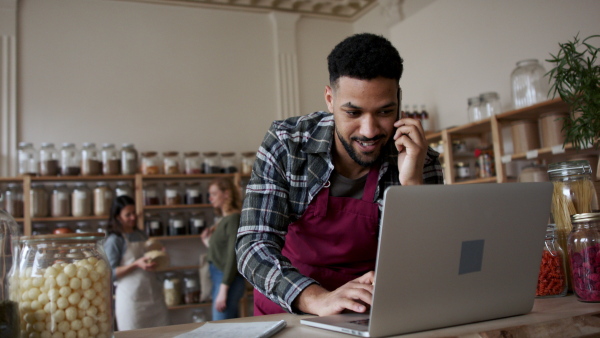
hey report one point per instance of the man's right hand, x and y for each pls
(354, 296)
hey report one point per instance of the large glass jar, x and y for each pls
(28, 159)
(129, 160)
(38, 203)
(154, 225)
(228, 163)
(13, 200)
(196, 223)
(529, 84)
(123, 189)
(584, 253)
(211, 163)
(64, 284)
(490, 104)
(552, 279)
(193, 193)
(81, 200)
(111, 160)
(172, 289)
(192, 163)
(9, 296)
(248, 159)
(70, 160)
(103, 197)
(150, 193)
(49, 159)
(150, 163)
(90, 160)
(171, 163)
(173, 194)
(60, 204)
(191, 287)
(176, 224)
(474, 109)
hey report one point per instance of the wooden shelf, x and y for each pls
(69, 219)
(533, 112)
(177, 206)
(159, 177)
(83, 178)
(170, 238)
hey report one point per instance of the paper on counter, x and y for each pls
(226, 330)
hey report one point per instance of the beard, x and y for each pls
(354, 155)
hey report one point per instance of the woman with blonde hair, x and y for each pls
(227, 284)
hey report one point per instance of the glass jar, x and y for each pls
(196, 223)
(574, 193)
(154, 225)
(81, 200)
(49, 159)
(459, 146)
(40, 229)
(129, 161)
(84, 227)
(463, 171)
(70, 160)
(191, 287)
(111, 160)
(90, 160)
(28, 159)
(485, 162)
(490, 104)
(38, 204)
(150, 163)
(192, 163)
(171, 163)
(123, 189)
(9, 295)
(60, 205)
(228, 163)
(584, 249)
(172, 289)
(13, 200)
(150, 193)
(474, 109)
(211, 163)
(193, 193)
(529, 84)
(172, 194)
(199, 316)
(176, 224)
(51, 267)
(103, 227)
(103, 197)
(248, 159)
(552, 279)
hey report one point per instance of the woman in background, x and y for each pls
(227, 284)
(139, 300)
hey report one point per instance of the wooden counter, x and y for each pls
(551, 317)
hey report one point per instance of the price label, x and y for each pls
(531, 154)
(507, 158)
(558, 149)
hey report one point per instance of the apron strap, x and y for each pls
(371, 184)
(321, 201)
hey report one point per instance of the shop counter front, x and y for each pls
(550, 317)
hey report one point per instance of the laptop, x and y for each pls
(451, 255)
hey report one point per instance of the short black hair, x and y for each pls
(364, 56)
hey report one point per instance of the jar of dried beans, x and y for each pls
(129, 160)
(192, 163)
(90, 160)
(584, 254)
(552, 279)
(70, 160)
(49, 159)
(111, 160)
(60, 204)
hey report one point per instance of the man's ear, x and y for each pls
(329, 98)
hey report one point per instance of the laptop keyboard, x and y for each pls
(364, 322)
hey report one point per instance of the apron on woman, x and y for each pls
(139, 300)
(334, 242)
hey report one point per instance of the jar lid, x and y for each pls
(474, 100)
(47, 144)
(92, 236)
(149, 153)
(228, 154)
(89, 145)
(569, 168)
(127, 145)
(68, 145)
(249, 153)
(191, 154)
(489, 95)
(210, 153)
(25, 144)
(171, 153)
(586, 217)
(108, 145)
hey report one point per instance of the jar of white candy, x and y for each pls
(63, 286)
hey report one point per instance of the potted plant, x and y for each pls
(576, 76)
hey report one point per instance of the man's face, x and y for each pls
(364, 113)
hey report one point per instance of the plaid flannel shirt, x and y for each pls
(292, 165)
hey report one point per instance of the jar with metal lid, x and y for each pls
(103, 197)
(193, 193)
(228, 163)
(584, 253)
(123, 189)
(192, 163)
(171, 163)
(211, 163)
(529, 84)
(129, 161)
(191, 287)
(173, 194)
(38, 206)
(196, 223)
(154, 225)
(176, 224)
(552, 279)
(490, 104)
(150, 163)
(248, 159)
(463, 171)
(13, 200)
(151, 195)
(70, 160)
(71, 276)
(10, 299)
(111, 160)
(574, 193)
(49, 160)
(90, 160)
(28, 159)
(84, 227)
(81, 200)
(172, 289)
(41, 229)
(60, 204)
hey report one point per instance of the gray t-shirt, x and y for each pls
(344, 187)
(115, 247)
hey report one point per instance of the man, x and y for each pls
(308, 234)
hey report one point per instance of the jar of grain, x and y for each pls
(248, 159)
(111, 160)
(172, 289)
(171, 163)
(38, 206)
(150, 163)
(60, 205)
(551, 125)
(129, 159)
(13, 200)
(70, 160)
(103, 197)
(81, 200)
(173, 194)
(123, 189)
(192, 163)
(151, 195)
(90, 160)
(49, 159)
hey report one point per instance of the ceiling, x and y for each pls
(333, 9)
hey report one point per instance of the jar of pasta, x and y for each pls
(584, 253)
(552, 279)
(64, 286)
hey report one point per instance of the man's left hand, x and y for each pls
(412, 148)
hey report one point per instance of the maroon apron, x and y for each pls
(334, 242)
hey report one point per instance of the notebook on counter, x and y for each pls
(451, 255)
